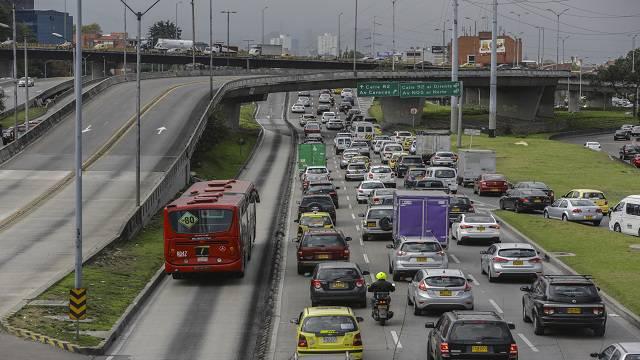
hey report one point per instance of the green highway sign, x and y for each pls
(430, 89)
(378, 89)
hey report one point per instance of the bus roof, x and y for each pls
(214, 193)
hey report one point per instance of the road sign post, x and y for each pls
(471, 133)
(414, 111)
(78, 307)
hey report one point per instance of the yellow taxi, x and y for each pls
(377, 130)
(328, 330)
(395, 157)
(596, 196)
(337, 91)
(360, 158)
(313, 220)
(406, 143)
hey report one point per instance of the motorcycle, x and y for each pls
(381, 307)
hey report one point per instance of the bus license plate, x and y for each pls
(574, 311)
(518, 262)
(479, 348)
(330, 339)
(445, 292)
(322, 256)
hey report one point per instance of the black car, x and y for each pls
(628, 151)
(311, 203)
(471, 335)
(564, 301)
(322, 108)
(432, 185)
(413, 175)
(536, 185)
(351, 113)
(621, 135)
(345, 106)
(407, 162)
(459, 205)
(338, 282)
(304, 93)
(524, 200)
(323, 188)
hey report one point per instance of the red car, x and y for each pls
(320, 245)
(490, 183)
(636, 161)
(312, 128)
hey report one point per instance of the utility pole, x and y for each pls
(126, 42)
(228, 19)
(538, 56)
(15, 76)
(633, 71)
(339, 46)
(138, 15)
(193, 32)
(179, 2)
(355, 39)
(210, 49)
(563, 39)
(557, 14)
(373, 36)
(454, 67)
(263, 9)
(493, 83)
(393, 58)
(78, 147)
(542, 49)
(26, 88)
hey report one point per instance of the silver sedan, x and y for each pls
(510, 259)
(440, 289)
(581, 210)
(410, 254)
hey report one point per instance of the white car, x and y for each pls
(382, 173)
(445, 174)
(29, 82)
(335, 124)
(626, 127)
(388, 150)
(298, 109)
(399, 136)
(365, 188)
(324, 99)
(378, 145)
(345, 134)
(443, 158)
(635, 131)
(475, 228)
(593, 145)
(326, 116)
(346, 92)
(304, 101)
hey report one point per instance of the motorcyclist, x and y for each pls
(381, 284)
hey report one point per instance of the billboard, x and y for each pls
(437, 49)
(485, 46)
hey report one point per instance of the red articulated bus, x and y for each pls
(210, 228)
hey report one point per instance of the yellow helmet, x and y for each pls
(381, 276)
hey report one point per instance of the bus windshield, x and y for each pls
(201, 221)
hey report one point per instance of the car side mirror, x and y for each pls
(525, 288)
(472, 202)
(595, 355)
(298, 202)
(359, 319)
(429, 325)
(389, 246)
(337, 187)
(470, 280)
(294, 321)
(348, 238)
(365, 272)
(361, 215)
(296, 221)
(511, 325)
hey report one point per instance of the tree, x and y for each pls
(1, 101)
(619, 77)
(164, 30)
(92, 28)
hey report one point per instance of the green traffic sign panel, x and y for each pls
(430, 89)
(378, 89)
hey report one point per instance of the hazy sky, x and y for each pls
(598, 29)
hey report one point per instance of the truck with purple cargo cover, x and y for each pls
(421, 213)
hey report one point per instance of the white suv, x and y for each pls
(326, 116)
(445, 174)
(388, 150)
(382, 173)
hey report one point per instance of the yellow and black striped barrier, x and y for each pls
(78, 304)
(27, 334)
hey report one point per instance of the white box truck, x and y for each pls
(265, 50)
(474, 162)
(428, 142)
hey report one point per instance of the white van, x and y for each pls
(363, 130)
(444, 174)
(625, 217)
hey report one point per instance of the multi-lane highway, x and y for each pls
(405, 336)
(609, 146)
(39, 86)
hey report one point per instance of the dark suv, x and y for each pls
(321, 245)
(311, 203)
(471, 335)
(459, 205)
(564, 300)
(324, 188)
(407, 162)
(628, 151)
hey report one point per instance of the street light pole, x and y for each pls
(355, 39)
(633, 71)
(557, 14)
(339, 46)
(393, 58)
(78, 146)
(15, 76)
(454, 67)
(179, 2)
(26, 87)
(139, 18)
(563, 39)
(193, 33)
(265, 8)
(493, 83)
(228, 19)
(210, 49)
(126, 42)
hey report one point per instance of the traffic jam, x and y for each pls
(394, 249)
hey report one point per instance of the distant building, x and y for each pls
(45, 22)
(284, 40)
(327, 45)
(476, 50)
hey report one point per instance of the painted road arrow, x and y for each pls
(161, 129)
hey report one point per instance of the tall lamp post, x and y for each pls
(339, 46)
(633, 71)
(493, 82)
(563, 40)
(77, 80)
(179, 2)
(138, 15)
(580, 80)
(210, 49)
(15, 73)
(193, 34)
(557, 14)
(263, 9)
(454, 68)
(228, 19)
(393, 31)
(26, 88)
(355, 39)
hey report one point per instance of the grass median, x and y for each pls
(8, 121)
(116, 275)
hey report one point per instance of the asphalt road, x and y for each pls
(38, 87)
(38, 246)
(405, 333)
(610, 146)
(214, 318)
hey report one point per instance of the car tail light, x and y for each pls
(576, 210)
(346, 252)
(483, 183)
(357, 340)
(513, 351)
(316, 284)
(606, 202)
(548, 310)
(467, 287)
(444, 349)
(422, 286)
(360, 282)
(300, 254)
(401, 253)
(471, 209)
(441, 253)
(494, 226)
(598, 311)
(598, 210)
(499, 259)
(370, 176)
(302, 341)
(535, 260)
(375, 199)
(551, 193)
(360, 191)
(465, 226)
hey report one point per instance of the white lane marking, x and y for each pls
(454, 258)
(353, 216)
(529, 343)
(613, 315)
(495, 305)
(366, 258)
(396, 341)
(361, 242)
(350, 206)
(475, 282)
(87, 129)
(357, 228)
(161, 129)
(347, 197)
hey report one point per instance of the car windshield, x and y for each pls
(380, 170)
(332, 274)
(417, 172)
(349, 155)
(381, 192)
(322, 240)
(567, 292)
(533, 192)
(445, 173)
(493, 178)
(582, 203)
(421, 247)
(445, 281)
(200, 221)
(430, 184)
(387, 201)
(517, 253)
(315, 221)
(321, 200)
(404, 133)
(460, 201)
(393, 147)
(372, 185)
(329, 324)
(320, 188)
(312, 127)
(357, 167)
(445, 154)
(329, 114)
(412, 160)
(479, 219)
(593, 195)
(480, 331)
(317, 171)
(375, 214)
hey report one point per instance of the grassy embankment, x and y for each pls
(599, 252)
(117, 275)
(9, 120)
